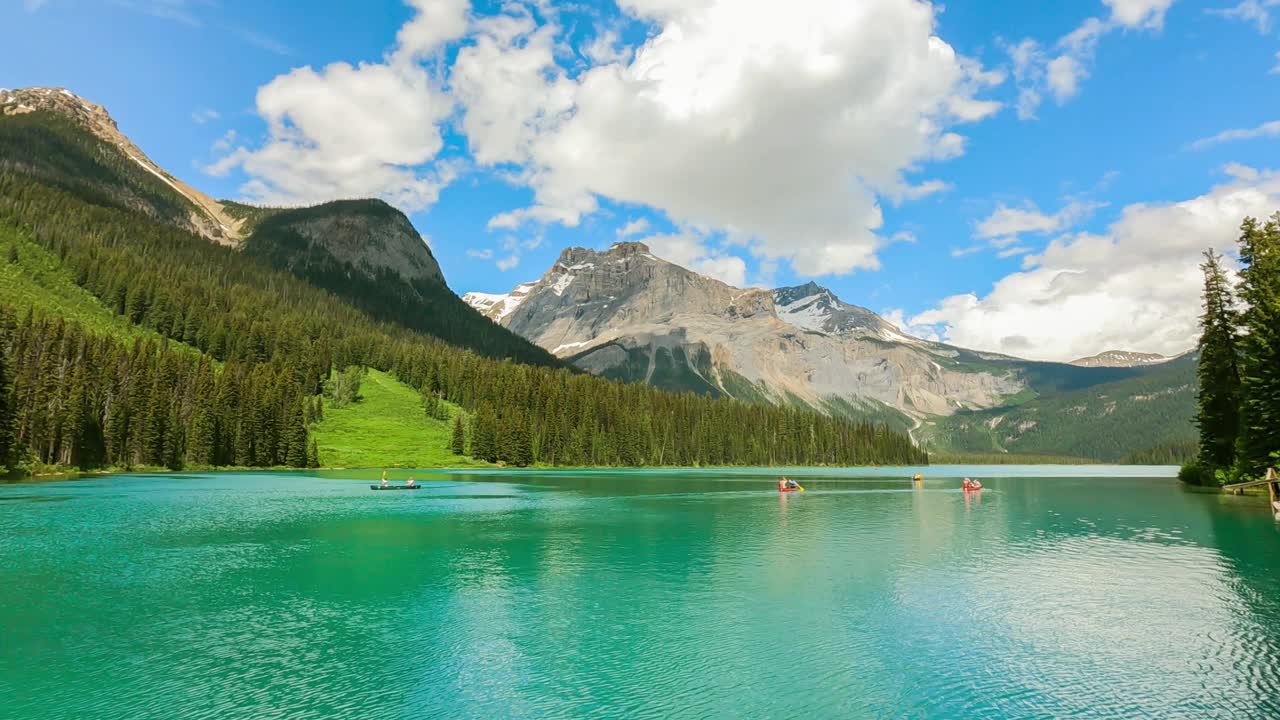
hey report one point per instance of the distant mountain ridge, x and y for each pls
(627, 314)
(1120, 358)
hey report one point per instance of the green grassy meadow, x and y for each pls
(385, 428)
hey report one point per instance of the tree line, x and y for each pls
(77, 399)
(1238, 407)
(249, 346)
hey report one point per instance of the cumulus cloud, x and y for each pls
(370, 129)
(1134, 287)
(1257, 12)
(1060, 70)
(484, 254)
(1267, 129)
(777, 125)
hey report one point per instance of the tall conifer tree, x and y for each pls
(1218, 408)
(1259, 443)
(458, 443)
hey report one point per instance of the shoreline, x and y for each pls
(1029, 470)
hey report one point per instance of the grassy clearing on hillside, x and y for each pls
(386, 428)
(39, 280)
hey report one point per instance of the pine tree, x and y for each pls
(297, 438)
(313, 455)
(458, 443)
(484, 434)
(1217, 412)
(6, 407)
(1259, 441)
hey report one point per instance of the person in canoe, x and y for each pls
(384, 478)
(410, 483)
(782, 484)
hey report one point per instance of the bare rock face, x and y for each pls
(366, 234)
(625, 313)
(207, 216)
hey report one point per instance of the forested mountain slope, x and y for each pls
(369, 254)
(232, 351)
(1107, 422)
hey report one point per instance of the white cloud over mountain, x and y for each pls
(776, 127)
(1133, 287)
(371, 129)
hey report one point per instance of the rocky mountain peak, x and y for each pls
(625, 249)
(208, 217)
(1120, 358)
(369, 236)
(91, 116)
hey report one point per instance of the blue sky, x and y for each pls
(894, 152)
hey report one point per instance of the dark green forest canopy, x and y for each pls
(265, 340)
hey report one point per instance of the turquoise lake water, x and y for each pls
(668, 594)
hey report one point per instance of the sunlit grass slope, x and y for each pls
(39, 280)
(385, 428)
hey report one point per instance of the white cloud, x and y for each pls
(508, 262)
(1063, 75)
(1275, 70)
(1036, 72)
(690, 251)
(485, 254)
(606, 48)
(633, 227)
(1013, 251)
(1267, 129)
(1240, 171)
(1134, 287)
(32, 5)
(357, 131)
(225, 143)
(966, 251)
(897, 317)
(436, 23)
(917, 192)
(204, 115)
(1257, 12)
(1004, 226)
(1139, 13)
(778, 125)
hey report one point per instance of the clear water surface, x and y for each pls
(668, 594)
